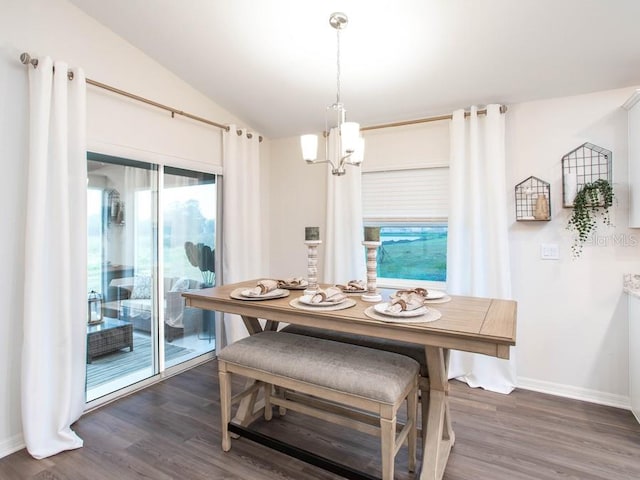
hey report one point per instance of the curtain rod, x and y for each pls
(503, 109)
(26, 59)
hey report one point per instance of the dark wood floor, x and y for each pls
(171, 431)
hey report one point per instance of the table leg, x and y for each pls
(438, 437)
(252, 324)
(251, 407)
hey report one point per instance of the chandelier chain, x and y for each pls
(338, 66)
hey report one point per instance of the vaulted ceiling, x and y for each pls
(273, 62)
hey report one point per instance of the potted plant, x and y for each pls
(591, 202)
(202, 256)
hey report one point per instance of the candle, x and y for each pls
(570, 188)
(371, 234)
(311, 233)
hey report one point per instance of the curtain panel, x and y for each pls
(478, 245)
(241, 246)
(344, 257)
(55, 290)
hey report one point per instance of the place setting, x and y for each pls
(293, 283)
(353, 286)
(264, 290)
(329, 299)
(429, 295)
(404, 306)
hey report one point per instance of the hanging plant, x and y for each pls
(592, 201)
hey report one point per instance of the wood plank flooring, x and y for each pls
(171, 431)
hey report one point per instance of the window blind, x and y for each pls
(417, 194)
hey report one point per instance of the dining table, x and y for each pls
(480, 325)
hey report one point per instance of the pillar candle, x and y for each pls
(371, 234)
(311, 233)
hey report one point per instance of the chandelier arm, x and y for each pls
(323, 161)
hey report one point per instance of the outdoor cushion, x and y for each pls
(141, 288)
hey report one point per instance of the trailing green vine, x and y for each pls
(592, 200)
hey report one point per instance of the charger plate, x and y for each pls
(277, 293)
(382, 307)
(431, 316)
(444, 299)
(348, 303)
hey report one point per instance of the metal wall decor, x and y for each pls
(532, 200)
(584, 164)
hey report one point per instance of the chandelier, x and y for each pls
(343, 141)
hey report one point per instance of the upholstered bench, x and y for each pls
(352, 376)
(412, 350)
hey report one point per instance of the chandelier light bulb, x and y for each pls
(309, 145)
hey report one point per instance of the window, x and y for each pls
(411, 207)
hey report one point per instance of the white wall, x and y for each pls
(115, 125)
(572, 314)
(297, 199)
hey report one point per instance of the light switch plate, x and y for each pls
(549, 251)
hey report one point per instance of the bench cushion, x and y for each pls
(412, 350)
(373, 374)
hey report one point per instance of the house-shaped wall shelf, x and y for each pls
(532, 200)
(584, 164)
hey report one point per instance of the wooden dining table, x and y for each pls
(481, 325)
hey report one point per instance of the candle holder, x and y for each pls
(312, 266)
(372, 294)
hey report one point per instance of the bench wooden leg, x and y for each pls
(225, 406)
(268, 412)
(387, 443)
(412, 416)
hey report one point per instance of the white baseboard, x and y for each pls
(576, 393)
(11, 445)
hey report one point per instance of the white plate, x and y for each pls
(435, 294)
(382, 309)
(348, 303)
(431, 316)
(306, 300)
(431, 295)
(277, 293)
(273, 293)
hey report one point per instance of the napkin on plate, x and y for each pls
(405, 301)
(262, 287)
(423, 292)
(330, 295)
(293, 282)
(352, 286)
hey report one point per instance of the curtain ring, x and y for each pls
(239, 132)
(70, 75)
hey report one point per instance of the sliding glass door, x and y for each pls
(189, 202)
(138, 274)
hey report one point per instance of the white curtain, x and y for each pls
(241, 241)
(478, 247)
(55, 264)
(344, 257)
